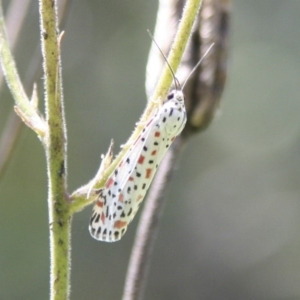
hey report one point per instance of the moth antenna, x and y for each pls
(197, 65)
(177, 84)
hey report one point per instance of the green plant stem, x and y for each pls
(79, 197)
(59, 217)
(183, 33)
(27, 112)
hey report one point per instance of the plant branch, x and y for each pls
(189, 15)
(14, 20)
(26, 111)
(11, 131)
(59, 217)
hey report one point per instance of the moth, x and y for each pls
(126, 187)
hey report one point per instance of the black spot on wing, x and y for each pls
(170, 96)
(97, 218)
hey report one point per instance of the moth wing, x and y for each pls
(130, 160)
(103, 221)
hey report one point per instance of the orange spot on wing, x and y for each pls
(157, 134)
(153, 152)
(121, 197)
(100, 203)
(120, 224)
(130, 178)
(173, 138)
(103, 217)
(140, 197)
(148, 173)
(141, 159)
(109, 183)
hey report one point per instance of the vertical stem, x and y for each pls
(56, 154)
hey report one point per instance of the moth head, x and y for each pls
(175, 96)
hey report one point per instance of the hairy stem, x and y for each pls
(189, 15)
(59, 218)
(26, 111)
(14, 20)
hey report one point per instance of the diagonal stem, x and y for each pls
(28, 112)
(191, 9)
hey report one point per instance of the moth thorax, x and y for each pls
(179, 96)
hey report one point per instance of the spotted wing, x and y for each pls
(109, 207)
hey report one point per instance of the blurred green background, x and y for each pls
(231, 226)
